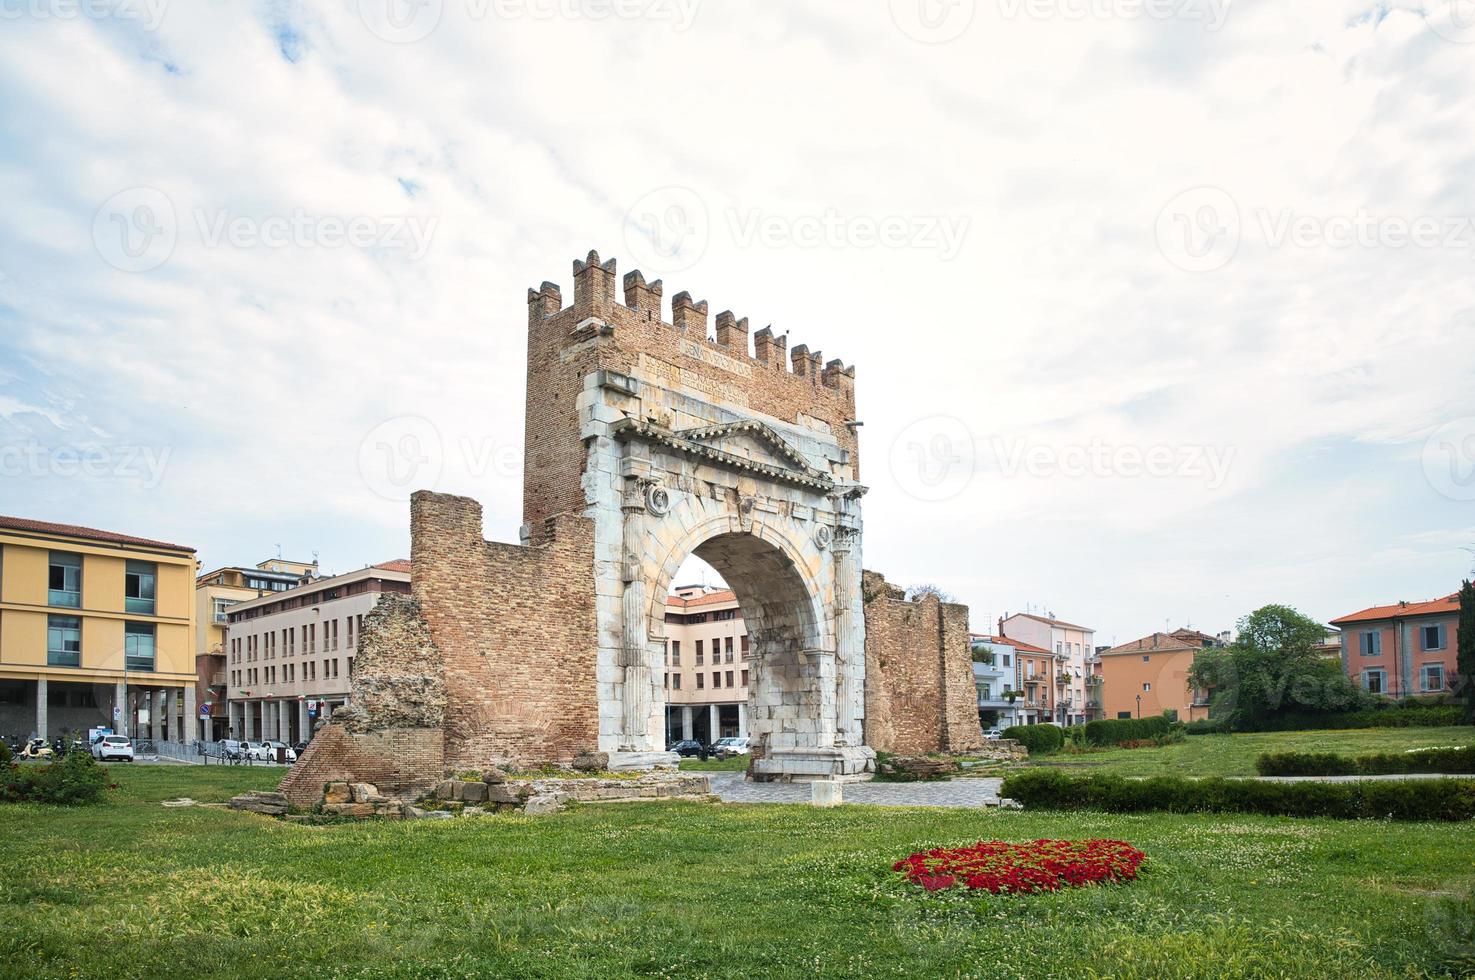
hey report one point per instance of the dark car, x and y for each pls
(300, 748)
(686, 748)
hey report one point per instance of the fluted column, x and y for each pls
(849, 635)
(633, 654)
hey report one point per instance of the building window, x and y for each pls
(1432, 677)
(63, 641)
(743, 643)
(716, 678)
(1371, 643)
(676, 682)
(1373, 680)
(729, 678)
(221, 605)
(723, 614)
(1146, 658)
(745, 678)
(727, 650)
(1433, 637)
(700, 659)
(65, 584)
(139, 581)
(700, 677)
(138, 645)
(1146, 686)
(675, 653)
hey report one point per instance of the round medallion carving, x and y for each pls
(657, 500)
(822, 536)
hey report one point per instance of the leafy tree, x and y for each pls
(1272, 668)
(1465, 649)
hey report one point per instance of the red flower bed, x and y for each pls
(1039, 866)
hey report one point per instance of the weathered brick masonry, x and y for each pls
(647, 441)
(920, 696)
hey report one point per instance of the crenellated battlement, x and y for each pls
(594, 296)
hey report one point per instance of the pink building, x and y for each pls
(706, 665)
(1402, 650)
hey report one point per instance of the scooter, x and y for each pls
(36, 748)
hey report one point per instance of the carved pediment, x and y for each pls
(745, 444)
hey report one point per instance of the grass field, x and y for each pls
(1234, 755)
(131, 889)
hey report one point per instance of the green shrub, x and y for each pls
(1039, 739)
(74, 779)
(1457, 761)
(1393, 716)
(1432, 799)
(1115, 731)
(1206, 726)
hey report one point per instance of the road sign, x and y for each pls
(205, 710)
(117, 711)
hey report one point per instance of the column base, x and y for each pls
(631, 761)
(845, 763)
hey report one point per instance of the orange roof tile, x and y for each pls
(397, 565)
(1019, 645)
(1403, 610)
(91, 533)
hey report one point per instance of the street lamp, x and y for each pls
(1139, 706)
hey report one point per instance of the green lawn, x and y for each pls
(1234, 755)
(132, 889)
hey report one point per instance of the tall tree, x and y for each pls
(1465, 649)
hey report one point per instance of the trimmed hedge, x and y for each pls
(1115, 731)
(1459, 761)
(1415, 716)
(1039, 739)
(1424, 799)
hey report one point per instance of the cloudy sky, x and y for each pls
(1161, 309)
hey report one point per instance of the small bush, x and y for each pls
(1039, 739)
(1206, 726)
(73, 780)
(1434, 799)
(1458, 761)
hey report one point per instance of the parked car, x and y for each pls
(118, 747)
(258, 751)
(36, 748)
(990, 734)
(726, 748)
(687, 747)
(288, 754)
(232, 749)
(299, 748)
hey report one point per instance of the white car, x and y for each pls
(992, 734)
(287, 754)
(258, 751)
(113, 747)
(726, 748)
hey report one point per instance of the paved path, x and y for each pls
(733, 788)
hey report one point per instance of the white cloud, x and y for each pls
(1060, 323)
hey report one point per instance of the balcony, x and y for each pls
(217, 679)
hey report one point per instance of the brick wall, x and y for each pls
(515, 629)
(919, 673)
(399, 762)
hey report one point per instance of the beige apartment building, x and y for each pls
(216, 591)
(96, 631)
(707, 663)
(1077, 675)
(289, 654)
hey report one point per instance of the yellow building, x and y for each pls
(97, 629)
(1149, 676)
(215, 592)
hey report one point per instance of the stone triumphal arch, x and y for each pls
(646, 441)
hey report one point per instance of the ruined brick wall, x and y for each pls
(758, 374)
(398, 761)
(919, 688)
(515, 629)
(399, 676)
